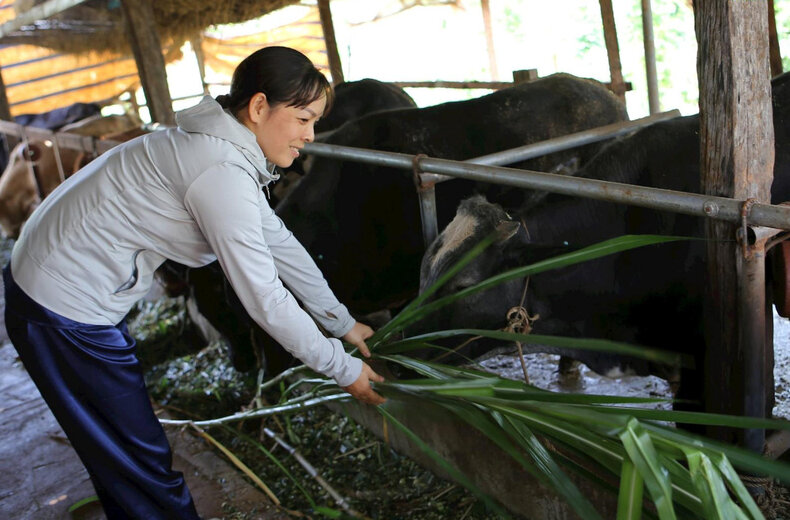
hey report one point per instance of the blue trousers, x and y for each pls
(91, 379)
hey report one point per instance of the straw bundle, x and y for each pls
(97, 24)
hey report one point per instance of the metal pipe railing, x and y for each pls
(696, 204)
(426, 182)
(557, 144)
(564, 142)
(83, 143)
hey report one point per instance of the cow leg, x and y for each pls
(569, 371)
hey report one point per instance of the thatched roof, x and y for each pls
(62, 61)
(98, 24)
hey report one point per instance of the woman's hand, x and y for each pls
(361, 388)
(357, 336)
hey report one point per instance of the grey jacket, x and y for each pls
(192, 194)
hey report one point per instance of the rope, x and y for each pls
(519, 321)
(773, 501)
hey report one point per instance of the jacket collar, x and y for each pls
(209, 118)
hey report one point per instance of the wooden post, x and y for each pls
(197, 47)
(144, 41)
(523, 76)
(773, 41)
(335, 66)
(737, 157)
(492, 64)
(612, 48)
(5, 107)
(650, 58)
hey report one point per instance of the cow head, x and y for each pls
(475, 220)
(497, 308)
(19, 193)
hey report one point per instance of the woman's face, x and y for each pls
(281, 131)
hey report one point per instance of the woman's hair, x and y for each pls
(284, 75)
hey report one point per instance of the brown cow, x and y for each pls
(34, 171)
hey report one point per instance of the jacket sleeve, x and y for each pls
(302, 276)
(224, 201)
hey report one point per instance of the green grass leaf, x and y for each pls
(629, 502)
(643, 455)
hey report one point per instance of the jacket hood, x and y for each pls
(209, 118)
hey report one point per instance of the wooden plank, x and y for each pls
(138, 18)
(38, 12)
(61, 82)
(612, 49)
(335, 66)
(737, 156)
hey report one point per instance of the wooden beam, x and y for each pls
(737, 158)
(492, 63)
(773, 41)
(335, 66)
(612, 49)
(144, 41)
(38, 12)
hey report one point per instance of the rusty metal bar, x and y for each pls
(82, 143)
(532, 150)
(525, 152)
(750, 266)
(696, 204)
(426, 191)
(593, 135)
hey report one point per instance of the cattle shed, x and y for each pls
(57, 52)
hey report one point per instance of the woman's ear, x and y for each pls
(257, 107)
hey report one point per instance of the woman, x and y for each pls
(192, 194)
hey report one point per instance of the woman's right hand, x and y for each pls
(361, 389)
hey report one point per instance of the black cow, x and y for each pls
(354, 99)
(650, 296)
(361, 223)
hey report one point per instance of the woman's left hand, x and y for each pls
(357, 336)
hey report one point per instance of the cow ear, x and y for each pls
(505, 230)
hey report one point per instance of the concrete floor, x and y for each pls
(41, 477)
